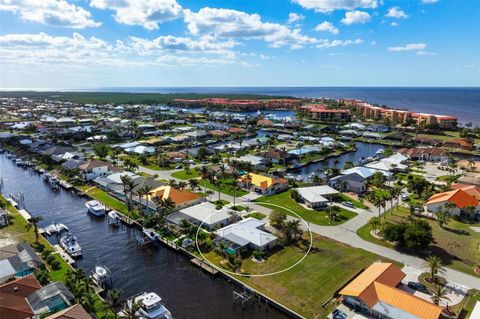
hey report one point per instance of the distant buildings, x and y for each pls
(323, 114)
(400, 116)
(238, 104)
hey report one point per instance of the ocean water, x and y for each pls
(461, 102)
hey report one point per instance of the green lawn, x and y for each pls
(308, 285)
(456, 243)
(109, 201)
(317, 217)
(256, 215)
(225, 188)
(355, 202)
(186, 175)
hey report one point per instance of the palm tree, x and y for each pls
(88, 301)
(125, 179)
(204, 173)
(374, 223)
(397, 190)
(292, 230)
(332, 212)
(443, 216)
(193, 183)
(182, 185)
(295, 195)
(439, 293)
(131, 312)
(113, 299)
(161, 159)
(34, 220)
(172, 183)
(435, 267)
(235, 177)
(131, 186)
(165, 206)
(470, 212)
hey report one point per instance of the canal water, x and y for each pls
(363, 150)
(186, 290)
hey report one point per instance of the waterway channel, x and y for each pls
(186, 290)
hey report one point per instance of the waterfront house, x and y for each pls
(389, 164)
(205, 213)
(459, 197)
(181, 197)
(279, 156)
(72, 312)
(265, 185)
(425, 154)
(317, 197)
(22, 258)
(256, 162)
(471, 190)
(92, 169)
(247, 233)
(351, 182)
(376, 293)
(13, 294)
(6, 271)
(463, 143)
(51, 298)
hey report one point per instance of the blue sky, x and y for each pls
(104, 43)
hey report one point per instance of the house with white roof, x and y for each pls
(205, 214)
(140, 149)
(317, 196)
(247, 233)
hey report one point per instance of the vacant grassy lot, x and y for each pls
(457, 244)
(225, 187)
(307, 286)
(317, 217)
(186, 175)
(108, 200)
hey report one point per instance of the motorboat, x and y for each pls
(95, 208)
(380, 151)
(55, 229)
(71, 245)
(65, 185)
(19, 162)
(53, 181)
(150, 234)
(150, 306)
(113, 214)
(101, 275)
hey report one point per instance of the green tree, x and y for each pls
(101, 150)
(439, 293)
(33, 223)
(436, 269)
(277, 219)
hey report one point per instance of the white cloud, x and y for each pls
(426, 53)
(147, 13)
(229, 23)
(78, 51)
(327, 27)
(409, 47)
(396, 12)
(294, 17)
(325, 44)
(50, 12)
(394, 24)
(331, 5)
(356, 17)
(429, 1)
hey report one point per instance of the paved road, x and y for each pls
(347, 233)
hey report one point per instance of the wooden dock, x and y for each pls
(69, 260)
(204, 265)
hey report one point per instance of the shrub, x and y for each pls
(55, 264)
(50, 259)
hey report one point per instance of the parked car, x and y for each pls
(404, 196)
(418, 286)
(337, 314)
(178, 167)
(348, 204)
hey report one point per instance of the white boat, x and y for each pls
(65, 185)
(101, 275)
(95, 208)
(151, 306)
(71, 245)
(150, 234)
(55, 228)
(113, 214)
(379, 151)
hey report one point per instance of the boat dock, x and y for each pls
(69, 260)
(26, 215)
(204, 265)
